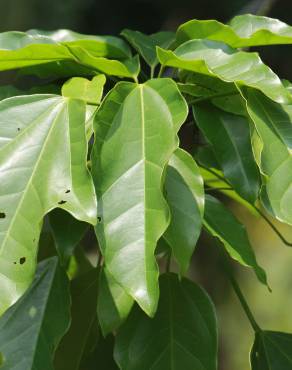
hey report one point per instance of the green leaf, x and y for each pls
(32, 328)
(217, 59)
(271, 351)
(141, 123)
(273, 124)
(244, 31)
(67, 233)
(81, 88)
(43, 152)
(99, 46)
(145, 45)
(128, 68)
(185, 196)
(83, 312)
(182, 335)
(229, 136)
(114, 304)
(221, 223)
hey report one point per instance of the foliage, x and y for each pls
(97, 152)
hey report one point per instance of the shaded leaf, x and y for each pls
(221, 223)
(83, 312)
(273, 124)
(32, 328)
(229, 136)
(81, 88)
(219, 60)
(67, 233)
(182, 335)
(145, 45)
(43, 152)
(140, 122)
(271, 351)
(185, 196)
(244, 31)
(114, 304)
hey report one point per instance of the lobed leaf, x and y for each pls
(135, 135)
(243, 31)
(43, 152)
(32, 328)
(182, 335)
(219, 60)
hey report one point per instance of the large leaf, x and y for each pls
(43, 153)
(18, 50)
(243, 31)
(221, 223)
(219, 60)
(67, 233)
(135, 136)
(273, 144)
(182, 335)
(83, 312)
(31, 329)
(145, 45)
(271, 351)
(113, 305)
(229, 135)
(185, 196)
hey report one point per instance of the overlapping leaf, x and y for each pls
(135, 135)
(273, 123)
(243, 31)
(31, 329)
(221, 223)
(43, 153)
(182, 335)
(271, 351)
(219, 60)
(185, 197)
(113, 305)
(146, 44)
(229, 135)
(18, 50)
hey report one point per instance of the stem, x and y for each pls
(152, 70)
(168, 262)
(219, 95)
(274, 228)
(161, 70)
(243, 303)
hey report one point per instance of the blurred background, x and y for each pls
(272, 310)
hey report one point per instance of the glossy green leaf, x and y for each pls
(244, 31)
(271, 351)
(229, 136)
(99, 46)
(185, 196)
(273, 123)
(67, 233)
(140, 122)
(217, 59)
(145, 45)
(81, 88)
(43, 152)
(114, 304)
(182, 335)
(83, 317)
(221, 223)
(32, 328)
